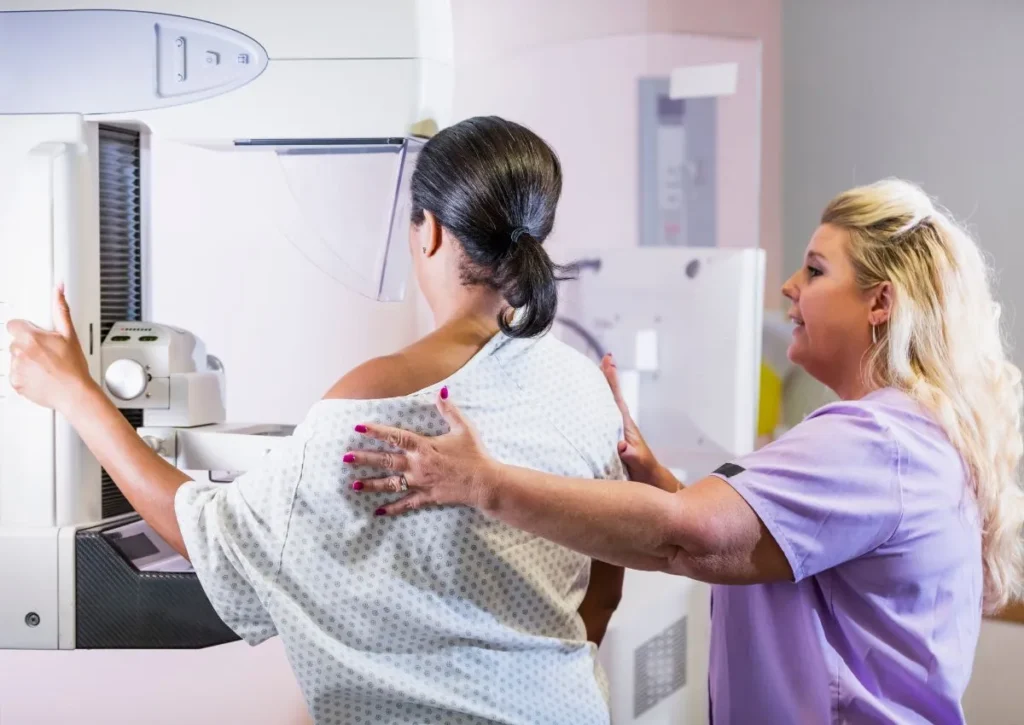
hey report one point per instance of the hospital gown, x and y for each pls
(438, 616)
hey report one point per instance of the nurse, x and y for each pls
(853, 557)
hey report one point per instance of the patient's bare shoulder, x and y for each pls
(422, 364)
(390, 376)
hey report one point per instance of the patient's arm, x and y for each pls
(602, 598)
(148, 481)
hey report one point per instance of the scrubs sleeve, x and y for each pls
(235, 534)
(828, 491)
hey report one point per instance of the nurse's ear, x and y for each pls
(881, 304)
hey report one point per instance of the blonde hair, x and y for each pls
(943, 345)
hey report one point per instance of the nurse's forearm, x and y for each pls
(704, 531)
(620, 522)
(146, 480)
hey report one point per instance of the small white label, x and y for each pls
(704, 81)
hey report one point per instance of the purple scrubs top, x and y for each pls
(868, 501)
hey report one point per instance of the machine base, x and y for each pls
(119, 607)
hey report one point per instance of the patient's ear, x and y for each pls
(431, 234)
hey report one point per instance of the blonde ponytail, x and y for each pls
(943, 345)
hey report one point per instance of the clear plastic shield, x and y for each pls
(344, 204)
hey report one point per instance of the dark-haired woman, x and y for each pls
(444, 616)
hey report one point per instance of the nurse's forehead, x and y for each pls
(828, 243)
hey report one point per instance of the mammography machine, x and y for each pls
(292, 95)
(285, 103)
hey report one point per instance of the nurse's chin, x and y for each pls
(796, 352)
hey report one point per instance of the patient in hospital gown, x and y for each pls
(440, 615)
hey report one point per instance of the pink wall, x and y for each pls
(747, 19)
(586, 108)
(501, 31)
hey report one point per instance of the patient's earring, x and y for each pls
(874, 335)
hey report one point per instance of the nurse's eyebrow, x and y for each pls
(815, 256)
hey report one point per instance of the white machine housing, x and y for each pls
(165, 372)
(684, 325)
(346, 69)
(304, 77)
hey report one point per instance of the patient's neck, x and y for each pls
(469, 311)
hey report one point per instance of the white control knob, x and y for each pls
(126, 379)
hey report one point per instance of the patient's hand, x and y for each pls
(640, 462)
(49, 367)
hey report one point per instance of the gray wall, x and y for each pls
(930, 90)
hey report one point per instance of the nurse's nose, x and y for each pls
(790, 290)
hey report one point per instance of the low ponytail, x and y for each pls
(528, 280)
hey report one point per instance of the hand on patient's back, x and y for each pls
(48, 368)
(453, 468)
(640, 462)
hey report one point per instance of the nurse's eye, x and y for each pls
(813, 271)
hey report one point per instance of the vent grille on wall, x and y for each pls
(659, 667)
(120, 193)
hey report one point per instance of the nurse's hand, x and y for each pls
(49, 368)
(450, 469)
(641, 465)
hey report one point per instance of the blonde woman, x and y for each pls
(853, 556)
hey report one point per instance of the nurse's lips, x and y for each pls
(798, 322)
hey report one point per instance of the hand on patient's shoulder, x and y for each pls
(389, 376)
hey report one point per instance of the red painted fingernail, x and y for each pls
(358, 485)
(349, 458)
(379, 512)
(360, 428)
(444, 393)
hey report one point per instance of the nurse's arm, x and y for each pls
(706, 531)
